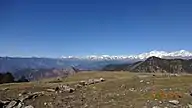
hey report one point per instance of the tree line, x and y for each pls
(9, 78)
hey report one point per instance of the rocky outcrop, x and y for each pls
(12, 104)
(66, 88)
(19, 102)
(91, 81)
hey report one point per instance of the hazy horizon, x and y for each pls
(99, 55)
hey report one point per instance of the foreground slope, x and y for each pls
(119, 90)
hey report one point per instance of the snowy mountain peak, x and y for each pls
(161, 54)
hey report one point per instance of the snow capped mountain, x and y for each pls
(163, 54)
(160, 54)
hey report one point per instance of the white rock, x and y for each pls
(132, 89)
(175, 102)
(20, 94)
(19, 105)
(148, 82)
(189, 105)
(155, 107)
(50, 90)
(5, 89)
(11, 104)
(102, 79)
(141, 81)
(45, 103)
(29, 106)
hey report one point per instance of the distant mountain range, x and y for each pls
(155, 64)
(13, 64)
(47, 67)
(161, 54)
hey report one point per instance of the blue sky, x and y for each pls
(52, 28)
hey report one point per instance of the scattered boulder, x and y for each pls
(189, 105)
(91, 81)
(160, 102)
(156, 107)
(29, 106)
(174, 102)
(5, 89)
(19, 94)
(50, 90)
(141, 81)
(147, 82)
(11, 104)
(63, 88)
(19, 105)
(70, 90)
(123, 86)
(132, 89)
(30, 96)
(45, 103)
(102, 79)
(78, 86)
(23, 96)
(99, 80)
(174, 75)
(96, 81)
(4, 102)
(83, 83)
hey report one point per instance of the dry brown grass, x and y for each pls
(113, 93)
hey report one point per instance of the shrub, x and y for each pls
(6, 78)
